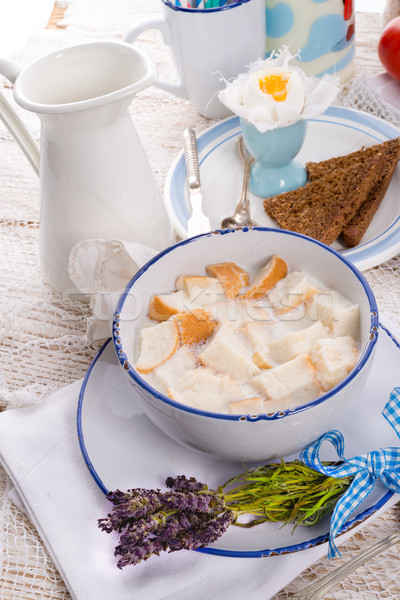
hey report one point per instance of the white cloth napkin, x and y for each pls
(39, 450)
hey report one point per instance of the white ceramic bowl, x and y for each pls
(244, 437)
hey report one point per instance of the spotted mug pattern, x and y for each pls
(321, 31)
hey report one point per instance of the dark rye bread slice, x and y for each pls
(323, 207)
(319, 169)
(354, 231)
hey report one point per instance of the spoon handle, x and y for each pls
(243, 203)
(198, 221)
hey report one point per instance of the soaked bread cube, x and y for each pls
(157, 344)
(169, 372)
(195, 327)
(333, 359)
(200, 290)
(292, 291)
(296, 342)
(249, 406)
(258, 333)
(232, 277)
(163, 306)
(288, 385)
(203, 389)
(263, 359)
(266, 278)
(336, 312)
(227, 353)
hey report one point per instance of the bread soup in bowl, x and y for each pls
(246, 344)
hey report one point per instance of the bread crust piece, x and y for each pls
(262, 360)
(232, 277)
(163, 306)
(158, 344)
(323, 207)
(195, 327)
(200, 290)
(275, 270)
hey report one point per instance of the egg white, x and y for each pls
(254, 97)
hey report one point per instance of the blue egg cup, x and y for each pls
(274, 170)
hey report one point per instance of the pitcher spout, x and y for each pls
(84, 76)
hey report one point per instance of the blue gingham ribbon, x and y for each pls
(383, 464)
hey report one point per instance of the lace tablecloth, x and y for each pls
(42, 335)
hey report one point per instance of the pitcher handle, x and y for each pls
(159, 23)
(13, 122)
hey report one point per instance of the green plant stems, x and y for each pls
(283, 492)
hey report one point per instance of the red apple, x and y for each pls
(389, 48)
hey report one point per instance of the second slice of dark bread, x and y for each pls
(323, 207)
(354, 230)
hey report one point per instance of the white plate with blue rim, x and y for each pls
(338, 131)
(123, 449)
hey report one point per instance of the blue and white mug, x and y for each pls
(322, 31)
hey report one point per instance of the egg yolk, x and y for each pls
(275, 86)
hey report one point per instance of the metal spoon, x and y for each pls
(241, 216)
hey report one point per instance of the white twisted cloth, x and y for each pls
(101, 269)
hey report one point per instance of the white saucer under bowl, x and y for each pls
(123, 449)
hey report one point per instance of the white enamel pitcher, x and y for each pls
(95, 181)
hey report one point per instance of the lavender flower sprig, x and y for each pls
(150, 521)
(142, 552)
(130, 506)
(182, 484)
(206, 533)
(193, 501)
(190, 515)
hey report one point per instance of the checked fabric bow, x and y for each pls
(383, 464)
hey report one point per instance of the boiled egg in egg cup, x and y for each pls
(274, 169)
(273, 102)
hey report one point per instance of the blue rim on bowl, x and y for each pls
(123, 359)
